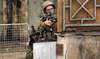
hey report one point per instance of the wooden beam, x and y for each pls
(59, 14)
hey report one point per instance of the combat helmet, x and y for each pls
(47, 3)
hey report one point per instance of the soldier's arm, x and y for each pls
(41, 26)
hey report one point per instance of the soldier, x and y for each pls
(47, 27)
(34, 37)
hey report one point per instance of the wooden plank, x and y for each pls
(67, 17)
(98, 2)
(98, 16)
(59, 49)
(67, 2)
(59, 22)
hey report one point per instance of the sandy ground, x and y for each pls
(12, 49)
(13, 55)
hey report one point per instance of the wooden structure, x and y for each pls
(78, 15)
(81, 22)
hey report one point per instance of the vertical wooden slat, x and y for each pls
(59, 22)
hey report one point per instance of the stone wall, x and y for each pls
(80, 46)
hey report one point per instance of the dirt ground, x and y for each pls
(12, 49)
(13, 55)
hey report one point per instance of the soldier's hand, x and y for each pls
(48, 23)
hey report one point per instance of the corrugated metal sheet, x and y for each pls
(46, 50)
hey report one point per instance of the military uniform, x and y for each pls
(29, 49)
(34, 37)
(47, 32)
(29, 52)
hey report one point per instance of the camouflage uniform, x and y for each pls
(29, 45)
(29, 52)
(29, 49)
(45, 31)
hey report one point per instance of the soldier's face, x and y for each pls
(50, 9)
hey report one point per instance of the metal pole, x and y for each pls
(63, 15)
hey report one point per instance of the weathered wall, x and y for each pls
(21, 15)
(18, 13)
(14, 12)
(1, 6)
(80, 45)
